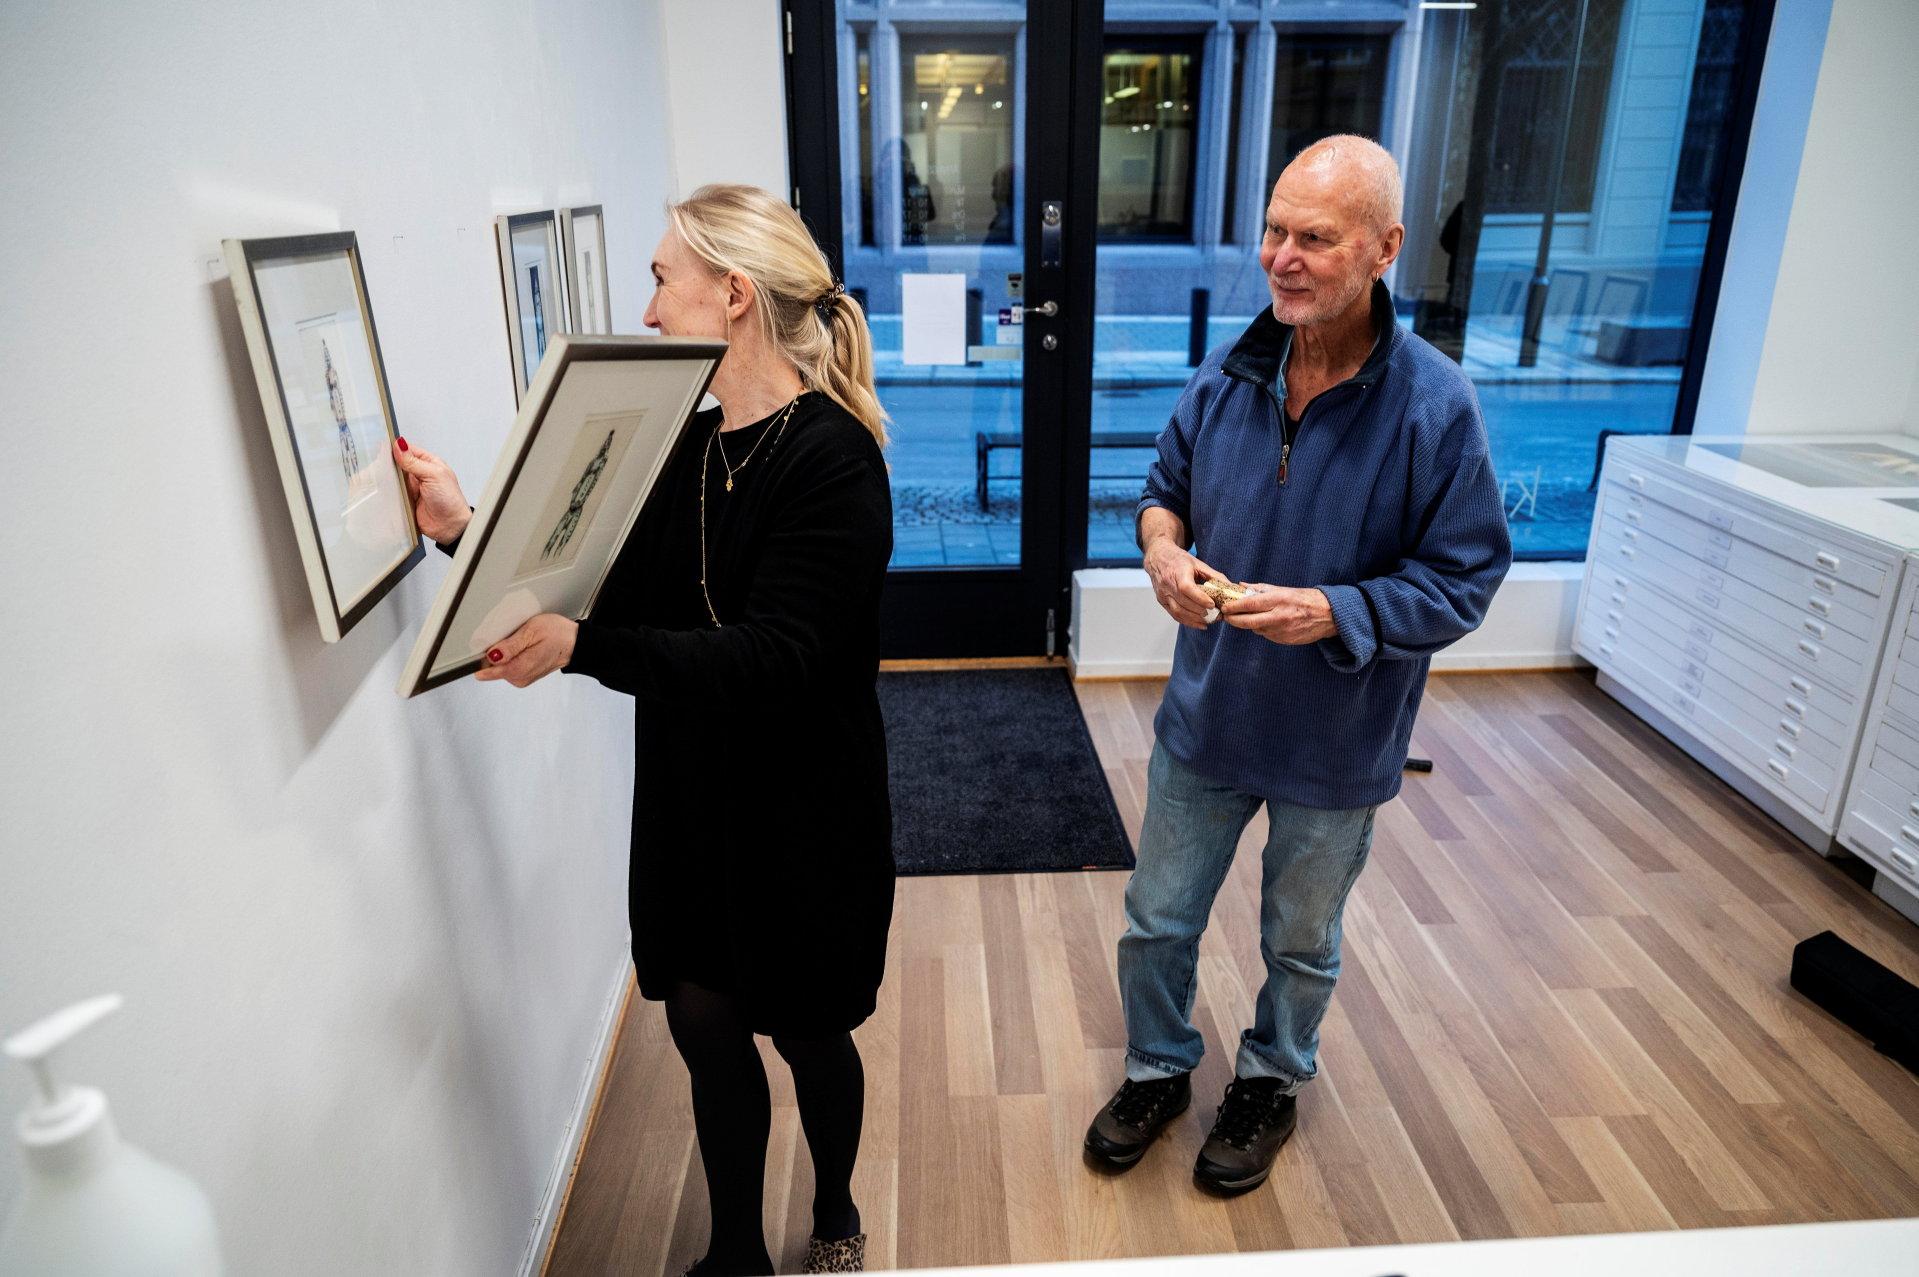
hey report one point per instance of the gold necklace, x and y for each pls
(705, 457)
(731, 469)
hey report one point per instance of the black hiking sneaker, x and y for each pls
(1123, 1130)
(1254, 1121)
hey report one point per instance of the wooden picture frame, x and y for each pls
(309, 330)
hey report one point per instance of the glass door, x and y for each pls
(946, 162)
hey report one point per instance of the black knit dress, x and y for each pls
(762, 835)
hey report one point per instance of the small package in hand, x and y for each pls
(1221, 592)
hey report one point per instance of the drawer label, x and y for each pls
(1718, 560)
(1701, 631)
(1698, 652)
(1721, 540)
(1719, 519)
(1707, 597)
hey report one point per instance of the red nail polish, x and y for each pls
(403, 446)
(496, 656)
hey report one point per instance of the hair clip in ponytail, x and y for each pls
(824, 306)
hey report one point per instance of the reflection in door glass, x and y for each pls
(936, 141)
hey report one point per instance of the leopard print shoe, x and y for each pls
(848, 1255)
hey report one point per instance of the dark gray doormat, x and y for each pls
(993, 771)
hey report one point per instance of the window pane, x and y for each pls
(956, 144)
(1322, 85)
(1529, 94)
(1230, 204)
(1147, 126)
(863, 61)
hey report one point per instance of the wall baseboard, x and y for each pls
(559, 1185)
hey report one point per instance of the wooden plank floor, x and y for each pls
(1564, 1009)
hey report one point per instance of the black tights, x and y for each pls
(733, 1116)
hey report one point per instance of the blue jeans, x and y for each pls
(1311, 860)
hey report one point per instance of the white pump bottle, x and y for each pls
(95, 1206)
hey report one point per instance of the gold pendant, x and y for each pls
(729, 483)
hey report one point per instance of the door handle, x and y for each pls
(1048, 309)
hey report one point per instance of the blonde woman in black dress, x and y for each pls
(743, 619)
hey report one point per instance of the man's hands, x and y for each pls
(530, 653)
(1284, 615)
(1280, 613)
(1176, 575)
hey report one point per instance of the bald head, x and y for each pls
(1359, 171)
(1332, 230)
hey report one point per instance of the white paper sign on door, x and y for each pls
(933, 319)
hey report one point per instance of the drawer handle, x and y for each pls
(1634, 516)
(1627, 552)
(1722, 540)
(1615, 616)
(1809, 648)
(1801, 686)
(1631, 534)
(1621, 582)
(1635, 498)
(1612, 633)
(1795, 708)
(1913, 807)
(1821, 606)
(1785, 750)
(1778, 768)
(1707, 597)
(1906, 864)
(1719, 519)
(1790, 728)
(1823, 583)
(1815, 629)
(1618, 598)
(1830, 562)
(1606, 648)
(1636, 480)
(1910, 834)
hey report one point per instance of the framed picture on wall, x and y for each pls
(583, 239)
(316, 357)
(531, 282)
(597, 427)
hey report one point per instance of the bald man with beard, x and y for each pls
(1330, 468)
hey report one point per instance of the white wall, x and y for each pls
(727, 78)
(368, 946)
(1839, 353)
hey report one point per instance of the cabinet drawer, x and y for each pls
(1797, 649)
(1845, 608)
(1807, 786)
(1695, 630)
(1787, 720)
(1753, 611)
(1887, 837)
(1844, 561)
(1888, 792)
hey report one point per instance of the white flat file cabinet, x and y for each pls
(1738, 595)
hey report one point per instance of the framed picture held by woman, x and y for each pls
(599, 423)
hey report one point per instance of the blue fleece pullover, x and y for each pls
(1389, 506)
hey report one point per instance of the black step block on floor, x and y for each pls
(1879, 1004)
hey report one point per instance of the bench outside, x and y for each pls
(984, 441)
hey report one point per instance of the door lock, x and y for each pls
(1048, 309)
